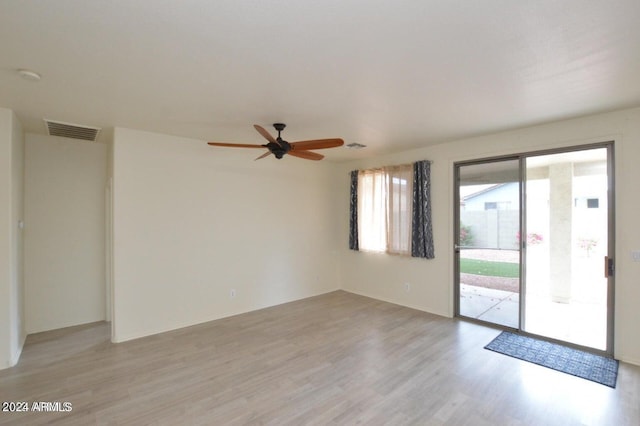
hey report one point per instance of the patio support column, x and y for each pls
(561, 207)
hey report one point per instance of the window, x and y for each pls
(589, 203)
(390, 210)
(384, 209)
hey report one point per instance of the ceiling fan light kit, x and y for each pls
(279, 147)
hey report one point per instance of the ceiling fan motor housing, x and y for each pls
(279, 149)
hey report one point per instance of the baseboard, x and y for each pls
(139, 334)
(631, 361)
(395, 302)
(14, 357)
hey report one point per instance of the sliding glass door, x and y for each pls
(488, 252)
(568, 237)
(534, 249)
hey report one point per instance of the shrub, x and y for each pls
(466, 237)
(587, 244)
(533, 238)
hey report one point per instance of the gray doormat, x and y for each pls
(578, 363)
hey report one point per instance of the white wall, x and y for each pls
(107, 136)
(18, 330)
(64, 234)
(382, 276)
(192, 222)
(12, 333)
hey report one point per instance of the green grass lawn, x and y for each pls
(492, 269)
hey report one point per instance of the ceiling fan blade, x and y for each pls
(235, 145)
(265, 134)
(317, 144)
(307, 155)
(266, 154)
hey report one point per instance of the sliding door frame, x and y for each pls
(609, 146)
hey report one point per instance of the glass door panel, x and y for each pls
(488, 248)
(567, 239)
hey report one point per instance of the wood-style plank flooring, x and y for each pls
(338, 358)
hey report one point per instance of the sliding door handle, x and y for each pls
(609, 268)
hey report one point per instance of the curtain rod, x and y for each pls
(396, 165)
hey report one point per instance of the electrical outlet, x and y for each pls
(232, 293)
(407, 287)
(635, 255)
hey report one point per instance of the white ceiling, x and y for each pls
(392, 75)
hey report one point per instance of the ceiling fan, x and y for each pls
(279, 147)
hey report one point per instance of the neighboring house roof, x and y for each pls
(483, 191)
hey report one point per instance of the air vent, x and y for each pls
(73, 131)
(355, 146)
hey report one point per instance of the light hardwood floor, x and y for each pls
(338, 358)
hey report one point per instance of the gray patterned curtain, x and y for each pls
(353, 212)
(421, 228)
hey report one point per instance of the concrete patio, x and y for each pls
(575, 322)
(486, 304)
